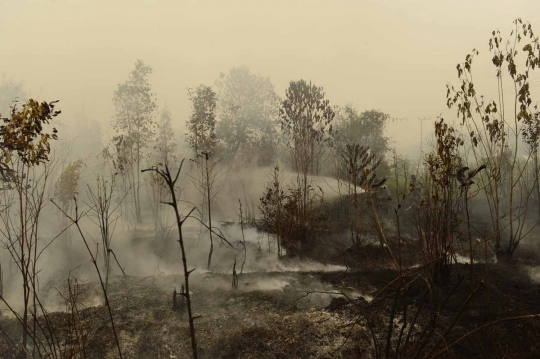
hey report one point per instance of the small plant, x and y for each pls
(437, 218)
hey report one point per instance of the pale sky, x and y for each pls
(394, 56)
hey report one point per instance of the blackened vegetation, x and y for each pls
(171, 183)
(442, 269)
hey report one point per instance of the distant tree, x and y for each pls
(165, 145)
(202, 139)
(68, 182)
(306, 120)
(366, 128)
(135, 106)
(164, 153)
(65, 188)
(82, 136)
(10, 93)
(202, 122)
(248, 111)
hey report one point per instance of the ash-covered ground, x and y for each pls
(287, 308)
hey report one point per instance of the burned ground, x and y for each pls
(292, 315)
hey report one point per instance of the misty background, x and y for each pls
(392, 56)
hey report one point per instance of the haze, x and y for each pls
(269, 179)
(393, 56)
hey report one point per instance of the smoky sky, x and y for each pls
(394, 56)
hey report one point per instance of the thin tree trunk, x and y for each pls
(536, 177)
(209, 200)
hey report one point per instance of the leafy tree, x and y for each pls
(366, 128)
(135, 106)
(496, 128)
(68, 182)
(65, 188)
(24, 145)
(357, 165)
(164, 152)
(306, 120)
(202, 122)
(248, 110)
(165, 145)
(202, 139)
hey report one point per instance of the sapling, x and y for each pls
(171, 182)
(103, 213)
(75, 219)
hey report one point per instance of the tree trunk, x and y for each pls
(209, 200)
(536, 178)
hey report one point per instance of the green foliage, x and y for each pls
(202, 122)
(366, 128)
(506, 125)
(22, 134)
(248, 109)
(165, 145)
(444, 162)
(67, 184)
(135, 105)
(436, 218)
(465, 99)
(306, 120)
(123, 159)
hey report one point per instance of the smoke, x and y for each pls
(143, 252)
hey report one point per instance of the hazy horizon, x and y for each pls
(396, 57)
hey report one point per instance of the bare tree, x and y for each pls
(171, 183)
(103, 212)
(206, 183)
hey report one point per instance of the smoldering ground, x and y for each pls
(143, 252)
